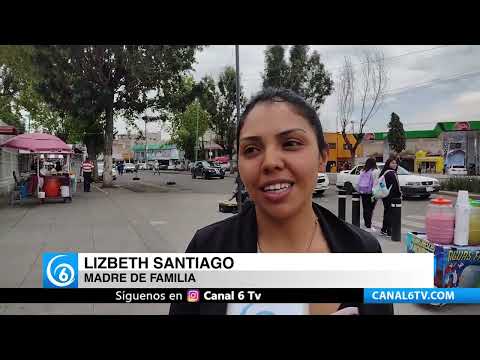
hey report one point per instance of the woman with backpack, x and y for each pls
(389, 172)
(365, 185)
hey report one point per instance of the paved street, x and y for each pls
(140, 216)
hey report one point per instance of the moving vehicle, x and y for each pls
(207, 170)
(457, 170)
(129, 167)
(100, 170)
(322, 183)
(410, 185)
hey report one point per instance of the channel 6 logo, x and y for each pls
(60, 270)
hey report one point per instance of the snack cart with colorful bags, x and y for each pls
(54, 186)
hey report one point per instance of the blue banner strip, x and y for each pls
(422, 296)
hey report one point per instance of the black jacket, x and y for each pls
(391, 179)
(238, 234)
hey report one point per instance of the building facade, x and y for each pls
(8, 160)
(430, 151)
(157, 152)
(339, 156)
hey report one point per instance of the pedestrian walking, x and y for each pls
(120, 167)
(389, 171)
(366, 180)
(87, 168)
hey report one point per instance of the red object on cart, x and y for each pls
(52, 186)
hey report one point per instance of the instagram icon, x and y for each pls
(193, 296)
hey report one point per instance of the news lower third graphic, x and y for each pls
(60, 270)
(422, 296)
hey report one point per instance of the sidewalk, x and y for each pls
(104, 220)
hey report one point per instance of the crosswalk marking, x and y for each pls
(416, 217)
(413, 223)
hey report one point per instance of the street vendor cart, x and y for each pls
(50, 184)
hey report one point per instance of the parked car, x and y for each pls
(170, 167)
(457, 170)
(207, 170)
(322, 183)
(100, 171)
(144, 166)
(225, 166)
(180, 167)
(163, 165)
(410, 185)
(129, 167)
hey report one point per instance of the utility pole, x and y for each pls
(196, 134)
(147, 119)
(146, 141)
(239, 180)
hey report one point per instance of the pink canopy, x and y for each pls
(38, 143)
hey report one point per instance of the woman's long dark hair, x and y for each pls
(387, 165)
(370, 164)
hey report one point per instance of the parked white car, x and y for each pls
(322, 183)
(457, 170)
(410, 185)
(129, 167)
(100, 170)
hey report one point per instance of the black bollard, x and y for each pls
(396, 219)
(342, 197)
(356, 208)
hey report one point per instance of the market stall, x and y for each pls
(50, 164)
(453, 236)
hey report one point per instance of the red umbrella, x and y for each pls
(38, 143)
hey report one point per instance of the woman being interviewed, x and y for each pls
(280, 147)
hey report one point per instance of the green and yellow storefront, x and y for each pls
(430, 151)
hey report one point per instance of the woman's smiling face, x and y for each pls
(279, 159)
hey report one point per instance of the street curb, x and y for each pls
(99, 189)
(185, 173)
(455, 193)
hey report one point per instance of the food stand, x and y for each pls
(55, 186)
(453, 237)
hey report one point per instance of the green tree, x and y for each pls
(183, 128)
(17, 88)
(304, 73)
(276, 68)
(396, 134)
(98, 82)
(224, 121)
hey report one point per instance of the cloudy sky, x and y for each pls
(427, 83)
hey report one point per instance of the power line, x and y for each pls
(387, 58)
(430, 82)
(401, 55)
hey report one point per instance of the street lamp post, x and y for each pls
(147, 118)
(196, 135)
(146, 142)
(237, 85)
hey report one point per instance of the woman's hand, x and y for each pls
(347, 311)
